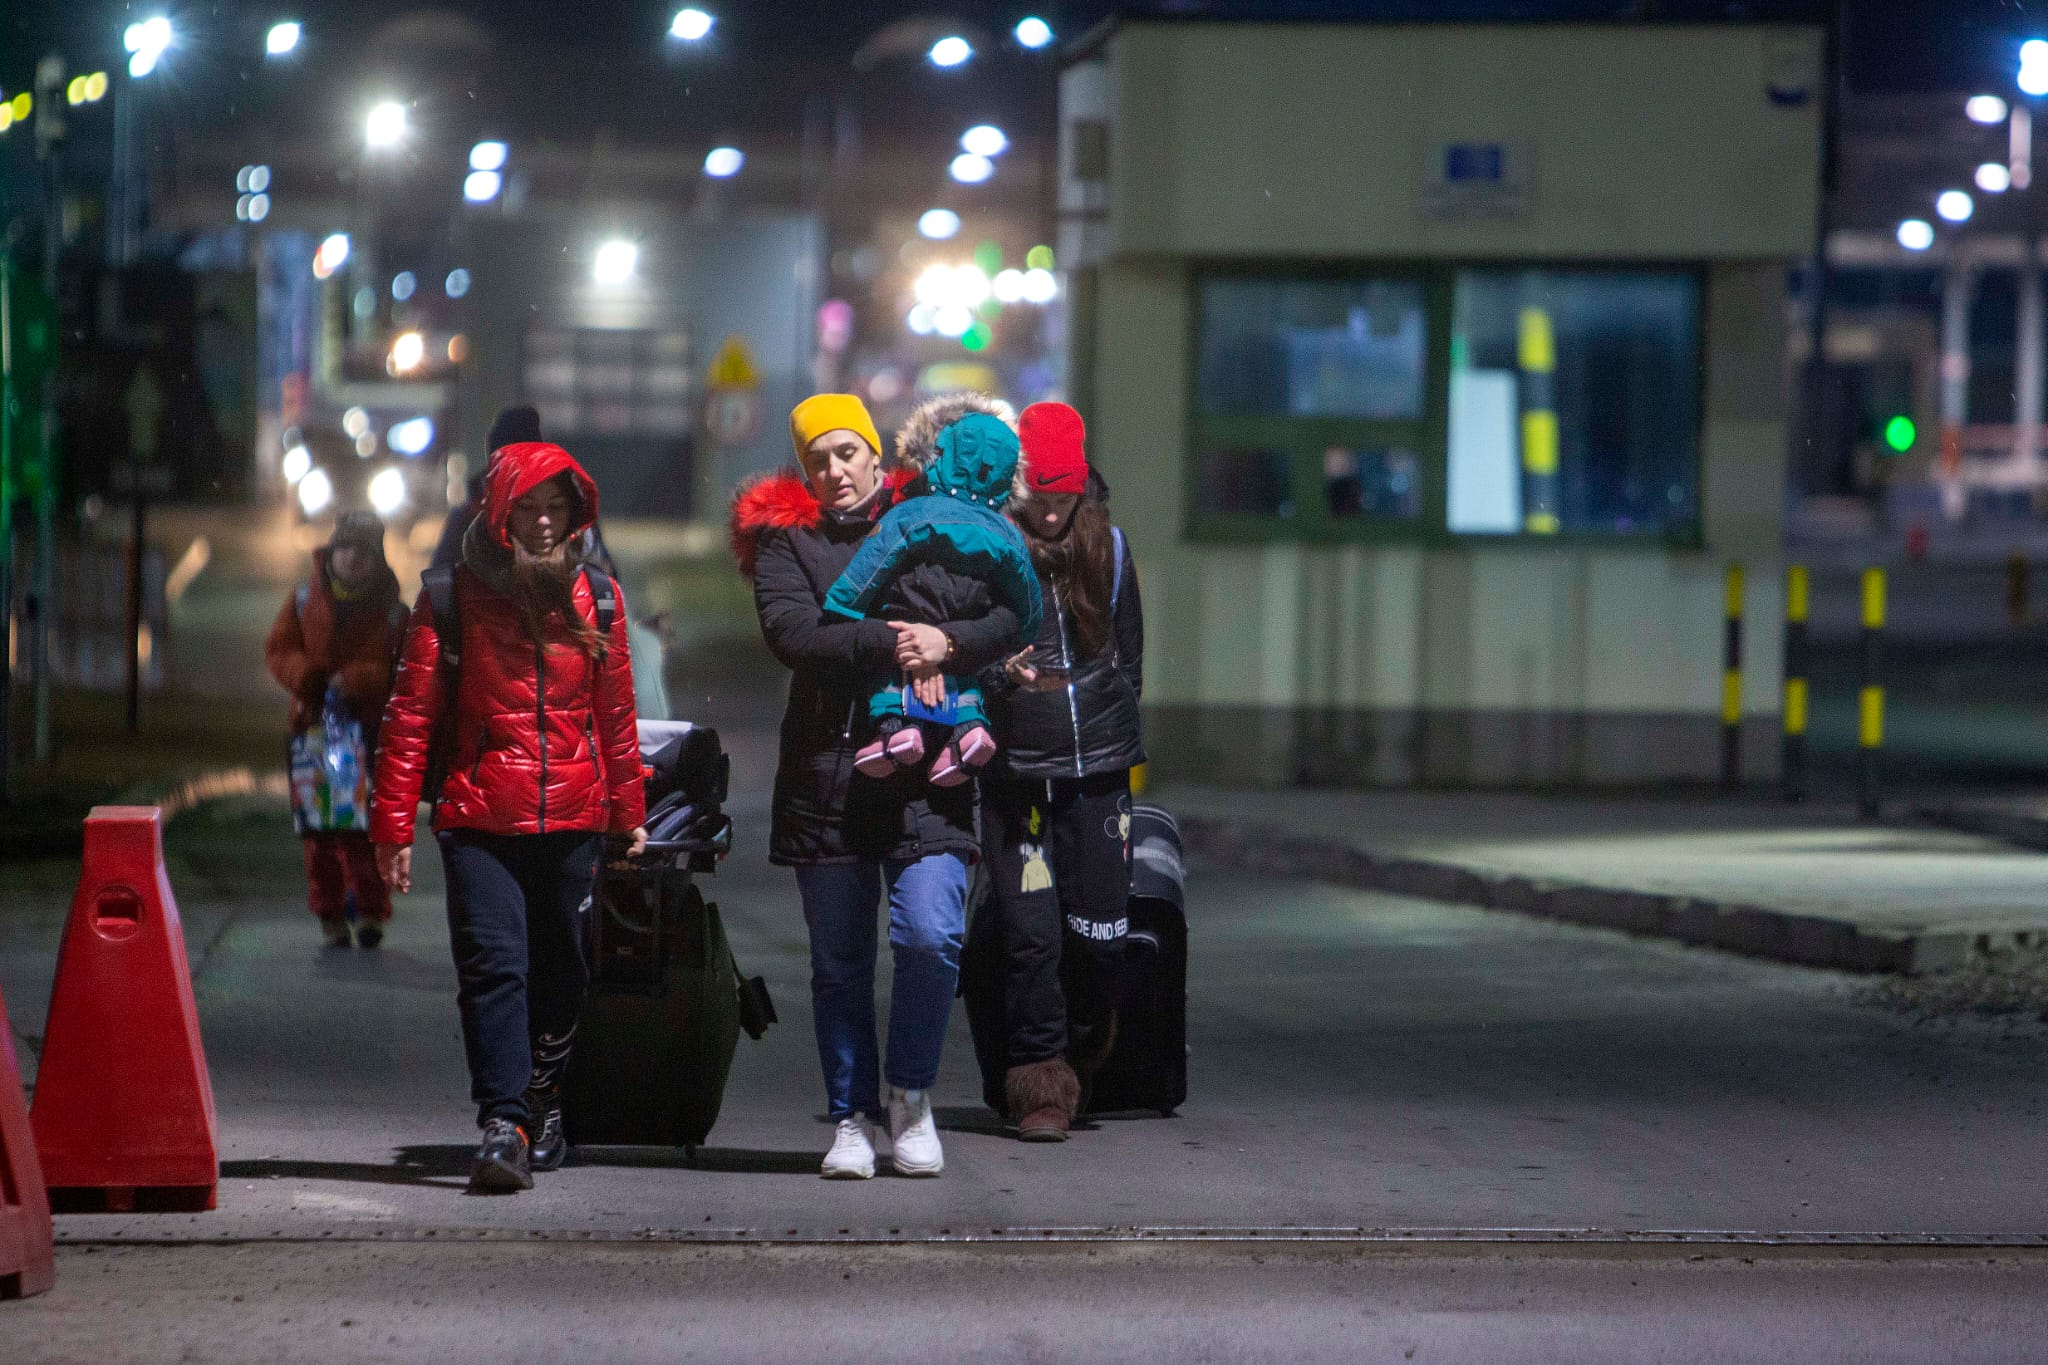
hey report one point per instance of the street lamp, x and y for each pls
(1916, 234)
(1986, 109)
(615, 262)
(951, 51)
(282, 39)
(146, 42)
(385, 126)
(691, 25)
(970, 169)
(938, 224)
(721, 163)
(1954, 206)
(1993, 177)
(2033, 77)
(984, 139)
(1033, 32)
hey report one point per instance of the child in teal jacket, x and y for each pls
(957, 524)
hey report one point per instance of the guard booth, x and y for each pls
(1438, 373)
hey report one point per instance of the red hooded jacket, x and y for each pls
(544, 739)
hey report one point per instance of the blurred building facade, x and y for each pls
(1438, 394)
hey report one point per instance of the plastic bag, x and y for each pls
(330, 771)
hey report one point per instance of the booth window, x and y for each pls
(1445, 401)
(1574, 403)
(1314, 400)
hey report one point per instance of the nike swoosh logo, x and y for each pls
(1047, 480)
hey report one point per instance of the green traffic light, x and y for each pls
(1900, 433)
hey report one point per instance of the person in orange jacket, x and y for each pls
(341, 629)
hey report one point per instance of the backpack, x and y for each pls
(438, 585)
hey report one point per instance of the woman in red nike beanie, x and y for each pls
(1056, 802)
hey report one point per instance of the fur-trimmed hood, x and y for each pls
(781, 499)
(917, 440)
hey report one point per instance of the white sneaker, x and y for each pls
(913, 1135)
(853, 1151)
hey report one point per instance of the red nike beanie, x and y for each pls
(1054, 460)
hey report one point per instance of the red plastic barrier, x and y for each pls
(26, 1261)
(123, 1113)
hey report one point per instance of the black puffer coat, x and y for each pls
(824, 813)
(1089, 726)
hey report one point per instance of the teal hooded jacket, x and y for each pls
(959, 526)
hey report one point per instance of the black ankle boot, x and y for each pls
(503, 1160)
(550, 1146)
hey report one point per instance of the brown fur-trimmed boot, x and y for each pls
(1042, 1098)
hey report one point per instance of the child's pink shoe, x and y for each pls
(886, 753)
(963, 756)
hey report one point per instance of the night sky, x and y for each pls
(1892, 44)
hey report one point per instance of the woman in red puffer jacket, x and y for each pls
(542, 760)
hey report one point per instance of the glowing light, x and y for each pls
(385, 125)
(6, 117)
(281, 39)
(297, 461)
(412, 436)
(953, 320)
(721, 162)
(951, 51)
(23, 105)
(2034, 52)
(74, 92)
(259, 179)
(316, 490)
(407, 351)
(1039, 257)
(1955, 206)
(95, 87)
(934, 284)
(458, 349)
(487, 156)
(970, 169)
(1033, 32)
(1916, 234)
(480, 187)
(1900, 433)
(259, 207)
(977, 337)
(366, 445)
(2033, 77)
(147, 41)
(1009, 285)
(1994, 178)
(922, 318)
(984, 139)
(691, 25)
(355, 421)
(615, 263)
(331, 256)
(938, 224)
(1985, 109)
(457, 283)
(402, 285)
(242, 208)
(1040, 286)
(387, 491)
(970, 285)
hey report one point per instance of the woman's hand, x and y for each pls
(636, 842)
(1019, 670)
(928, 685)
(920, 644)
(394, 865)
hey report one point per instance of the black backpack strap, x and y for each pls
(604, 595)
(439, 586)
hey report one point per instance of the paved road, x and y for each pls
(1359, 1061)
(1179, 1306)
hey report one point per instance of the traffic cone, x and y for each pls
(26, 1263)
(123, 1112)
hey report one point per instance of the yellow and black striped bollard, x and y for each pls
(1794, 752)
(1731, 683)
(1870, 699)
(1536, 355)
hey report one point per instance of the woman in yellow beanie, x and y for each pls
(793, 532)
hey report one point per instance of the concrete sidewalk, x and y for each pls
(1809, 885)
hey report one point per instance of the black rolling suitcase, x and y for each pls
(1148, 1068)
(666, 1004)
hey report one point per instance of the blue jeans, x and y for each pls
(927, 919)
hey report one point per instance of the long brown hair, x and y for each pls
(545, 585)
(1078, 565)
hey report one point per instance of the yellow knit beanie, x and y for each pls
(823, 412)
